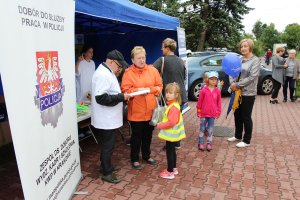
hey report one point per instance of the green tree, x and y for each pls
(258, 28)
(269, 36)
(213, 22)
(152, 4)
(207, 23)
(169, 7)
(291, 36)
(259, 48)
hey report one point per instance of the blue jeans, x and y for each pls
(206, 126)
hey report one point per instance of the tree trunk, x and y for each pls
(200, 46)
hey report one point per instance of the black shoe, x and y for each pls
(178, 146)
(293, 100)
(284, 100)
(276, 101)
(111, 178)
(272, 101)
(151, 161)
(115, 168)
(136, 165)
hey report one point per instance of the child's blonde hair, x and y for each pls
(174, 88)
(205, 77)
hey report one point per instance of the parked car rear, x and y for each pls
(198, 65)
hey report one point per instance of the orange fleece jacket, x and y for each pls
(140, 107)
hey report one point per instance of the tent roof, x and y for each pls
(120, 16)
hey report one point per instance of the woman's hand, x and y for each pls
(79, 59)
(233, 87)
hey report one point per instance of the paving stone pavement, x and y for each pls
(268, 169)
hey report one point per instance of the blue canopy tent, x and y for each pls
(121, 24)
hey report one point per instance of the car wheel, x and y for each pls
(266, 86)
(195, 90)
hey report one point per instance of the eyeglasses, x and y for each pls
(120, 66)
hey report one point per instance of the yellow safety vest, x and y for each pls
(177, 132)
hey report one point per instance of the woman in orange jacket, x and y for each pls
(140, 76)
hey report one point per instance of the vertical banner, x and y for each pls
(37, 71)
(183, 55)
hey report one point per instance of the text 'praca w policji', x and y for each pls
(32, 17)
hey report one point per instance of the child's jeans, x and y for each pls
(206, 126)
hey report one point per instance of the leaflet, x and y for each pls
(141, 92)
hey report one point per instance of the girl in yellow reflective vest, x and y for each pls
(171, 128)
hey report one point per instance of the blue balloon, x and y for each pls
(232, 64)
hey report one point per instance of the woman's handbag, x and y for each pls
(159, 111)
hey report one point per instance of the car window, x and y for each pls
(212, 61)
(194, 61)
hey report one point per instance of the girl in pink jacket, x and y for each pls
(208, 108)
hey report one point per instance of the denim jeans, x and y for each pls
(206, 126)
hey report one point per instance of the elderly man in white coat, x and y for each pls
(107, 108)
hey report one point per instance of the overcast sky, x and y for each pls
(279, 12)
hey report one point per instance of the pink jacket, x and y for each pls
(209, 103)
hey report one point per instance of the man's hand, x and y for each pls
(126, 96)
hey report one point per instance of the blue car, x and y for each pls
(198, 65)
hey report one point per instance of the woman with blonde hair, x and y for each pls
(247, 83)
(140, 76)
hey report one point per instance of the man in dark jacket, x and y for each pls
(285, 54)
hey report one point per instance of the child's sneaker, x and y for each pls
(208, 147)
(166, 174)
(201, 147)
(175, 171)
